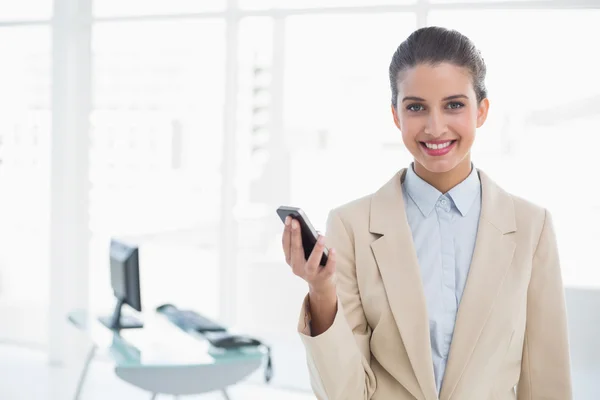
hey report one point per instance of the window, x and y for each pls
(113, 8)
(481, 1)
(541, 137)
(156, 154)
(337, 105)
(255, 104)
(24, 178)
(25, 10)
(262, 4)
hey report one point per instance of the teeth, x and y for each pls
(438, 146)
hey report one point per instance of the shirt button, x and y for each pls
(443, 202)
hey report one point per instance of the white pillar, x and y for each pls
(69, 186)
(228, 231)
(279, 154)
(422, 13)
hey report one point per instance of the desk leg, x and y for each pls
(225, 394)
(84, 371)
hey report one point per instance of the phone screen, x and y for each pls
(308, 232)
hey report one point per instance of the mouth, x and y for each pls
(438, 148)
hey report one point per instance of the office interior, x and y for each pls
(181, 126)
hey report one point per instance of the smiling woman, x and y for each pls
(439, 76)
(436, 123)
(381, 319)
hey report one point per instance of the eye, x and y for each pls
(455, 105)
(415, 107)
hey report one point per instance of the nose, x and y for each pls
(436, 125)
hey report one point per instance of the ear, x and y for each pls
(482, 111)
(395, 114)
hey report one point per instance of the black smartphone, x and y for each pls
(308, 232)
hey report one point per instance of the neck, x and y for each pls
(444, 181)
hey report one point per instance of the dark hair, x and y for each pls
(434, 45)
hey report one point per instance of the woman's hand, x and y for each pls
(319, 278)
(322, 294)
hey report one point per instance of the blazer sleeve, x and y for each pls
(339, 358)
(545, 366)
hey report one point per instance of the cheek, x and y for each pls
(464, 125)
(411, 126)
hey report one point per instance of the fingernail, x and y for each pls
(294, 224)
(321, 239)
(287, 220)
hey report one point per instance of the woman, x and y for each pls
(440, 284)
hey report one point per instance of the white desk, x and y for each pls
(163, 359)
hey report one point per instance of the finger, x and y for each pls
(314, 261)
(329, 268)
(286, 241)
(297, 255)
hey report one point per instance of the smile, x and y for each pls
(439, 148)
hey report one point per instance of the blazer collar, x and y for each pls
(397, 261)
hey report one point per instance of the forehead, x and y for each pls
(435, 81)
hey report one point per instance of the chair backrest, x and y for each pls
(583, 308)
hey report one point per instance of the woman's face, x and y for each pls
(437, 113)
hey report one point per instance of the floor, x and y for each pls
(25, 375)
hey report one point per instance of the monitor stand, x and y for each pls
(117, 322)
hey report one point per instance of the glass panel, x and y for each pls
(336, 101)
(255, 77)
(484, 1)
(25, 10)
(156, 155)
(111, 8)
(25, 126)
(262, 4)
(540, 141)
(337, 105)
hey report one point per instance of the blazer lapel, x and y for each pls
(492, 258)
(397, 261)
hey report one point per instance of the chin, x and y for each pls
(439, 166)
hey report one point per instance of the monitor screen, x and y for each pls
(118, 277)
(124, 272)
(125, 282)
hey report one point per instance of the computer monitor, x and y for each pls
(125, 283)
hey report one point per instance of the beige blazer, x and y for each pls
(510, 339)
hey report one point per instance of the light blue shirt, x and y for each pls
(444, 228)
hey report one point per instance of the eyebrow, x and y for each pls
(453, 97)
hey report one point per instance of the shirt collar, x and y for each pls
(422, 193)
(426, 196)
(465, 193)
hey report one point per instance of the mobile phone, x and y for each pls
(307, 231)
